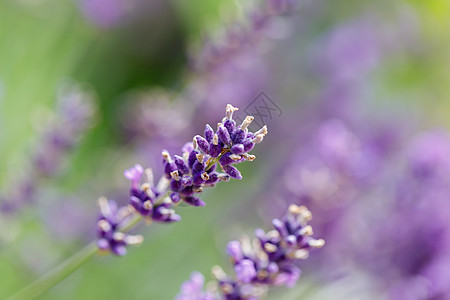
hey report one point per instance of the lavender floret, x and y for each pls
(110, 222)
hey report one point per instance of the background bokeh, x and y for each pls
(362, 139)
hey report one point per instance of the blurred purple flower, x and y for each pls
(111, 221)
(267, 261)
(193, 289)
(104, 13)
(74, 116)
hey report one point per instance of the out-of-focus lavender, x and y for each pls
(105, 13)
(405, 242)
(57, 138)
(228, 66)
(269, 260)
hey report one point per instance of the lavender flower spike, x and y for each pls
(269, 260)
(109, 223)
(184, 177)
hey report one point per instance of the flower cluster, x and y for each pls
(269, 260)
(186, 176)
(147, 199)
(196, 169)
(110, 223)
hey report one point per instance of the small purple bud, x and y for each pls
(175, 185)
(215, 150)
(202, 144)
(248, 145)
(136, 203)
(261, 235)
(235, 251)
(232, 171)
(198, 167)
(213, 178)
(230, 125)
(187, 191)
(238, 136)
(192, 158)
(186, 180)
(198, 178)
(175, 197)
(103, 244)
(224, 136)
(226, 160)
(119, 250)
(237, 149)
(272, 268)
(173, 218)
(194, 201)
(245, 271)
(288, 278)
(279, 226)
(181, 165)
(169, 168)
(134, 174)
(209, 133)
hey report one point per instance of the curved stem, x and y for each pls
(54, 276)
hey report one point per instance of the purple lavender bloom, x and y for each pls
(196, 168)
(184, 177)
(193, 289)
(110, 222)
(267, 261)
(144, 197)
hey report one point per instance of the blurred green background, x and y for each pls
(43, 42)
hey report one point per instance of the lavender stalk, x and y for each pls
(184, 178)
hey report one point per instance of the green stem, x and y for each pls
(213, 162)
(53, 277)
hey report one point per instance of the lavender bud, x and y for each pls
(232, 171)
(186, 180)
(192, 158)
(181, 165)
(134, 174)
(224, 135)
(215, 150)
(245, 271)
(175, 197)
(238, 149)
(230, 125)
(194, 201)
(198, 178)
(234, 250)
(209, 133)
(226, 160)
(248, 145)
(238, 136)
(198, 167)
